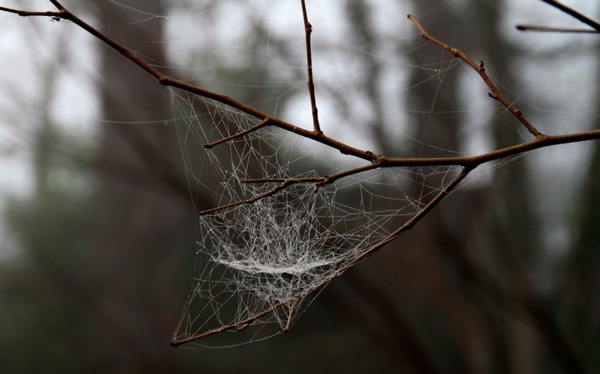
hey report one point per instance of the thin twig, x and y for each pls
(291, 313)
(240, 134)
(309, 66)
(281, 186)
(445, 191)
(27, 13)
(281, 180)
(480, 69)
(574, 13)
(564, 30)
(240, 325)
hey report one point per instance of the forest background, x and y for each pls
(100, 230)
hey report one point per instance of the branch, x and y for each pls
(571, 12)
(494, 92)
(291, 313)
(574, 13)
(258, 126)
(239, 325)
(410, 223)
(283, 185)
(311, 82)
(564, 30)
(26, 13)
(320, 181)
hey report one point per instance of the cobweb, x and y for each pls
(261, 263)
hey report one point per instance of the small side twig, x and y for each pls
(291, 313)
(564, 30)
(29, 13)
(240, 134)
(283, 185)
(239, 325)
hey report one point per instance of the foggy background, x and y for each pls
(99, 228)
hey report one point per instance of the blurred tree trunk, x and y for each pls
(137, 217)
(513, 224)
(451, 267)
(406, 284)
(582, 289)
(475, 235)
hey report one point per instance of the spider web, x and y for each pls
(261, 263)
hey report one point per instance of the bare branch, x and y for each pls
(470, 162)
(564, 30)
(240, 325)
(283, 185)
(445, 191)
(570, 11)
(541, 141)
(574, 13)
(480, 69)
(240, 134)
(293, 305)
(28, 13)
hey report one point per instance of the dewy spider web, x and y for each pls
(260, 263)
